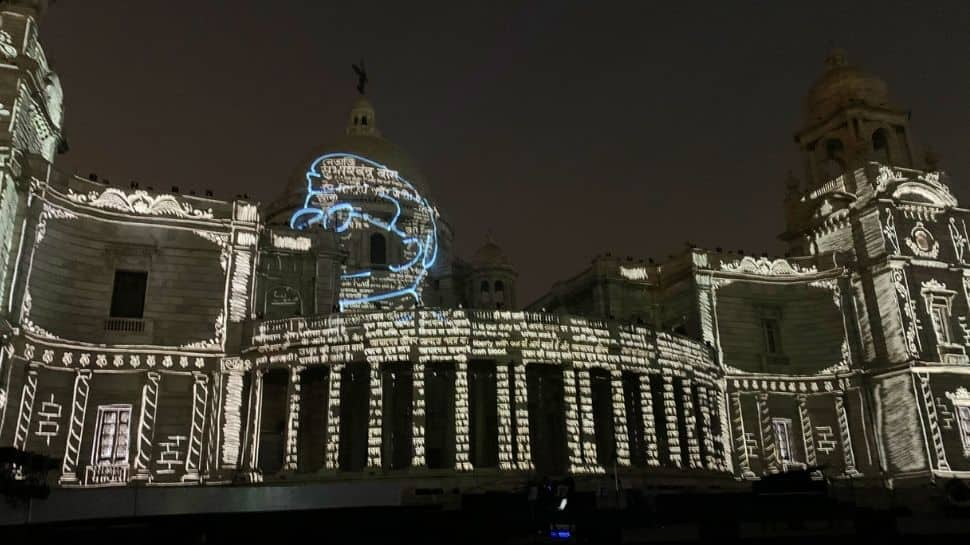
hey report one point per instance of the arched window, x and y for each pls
(378, 249)
(484, 286)
(833, 163)
(363, 120)
(880, 146)
(499, 286)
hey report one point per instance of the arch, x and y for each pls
(833, 163)
(363, 120)
(880, 146)
(485, 286)
(378, 249)
(499, 286)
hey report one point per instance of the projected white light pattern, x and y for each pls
(342, 192)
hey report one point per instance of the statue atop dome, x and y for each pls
(361, 72)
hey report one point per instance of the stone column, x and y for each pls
(847, 452)
(522, 443)
(200, 398)
(291, 455)
(462, 460)
(27, 397)
(740, 437)
(333, 417)
(503, 398)
(211, 465)
(769, 451)
(619, 418)
(418, 415)
(573, 439)
(255, 420)
(587, 425)
(233, 429)
(722, 441)
(690, 418)
(146, 427)
(649, 426)
(79, 406)
(673, 434)
(704, 412)
(808, 431)
(376, 420)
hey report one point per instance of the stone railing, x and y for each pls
(101, 474)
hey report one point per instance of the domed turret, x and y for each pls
(492, 279)
(843, 85)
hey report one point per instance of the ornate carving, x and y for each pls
(139, 202)
(959, 238)
(47, 213)
(215, 342)
(922, 243)
(889, 229)
(909, 311)
(766, 267)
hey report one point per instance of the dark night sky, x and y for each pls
(568, 129)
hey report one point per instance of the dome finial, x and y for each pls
(836, 57)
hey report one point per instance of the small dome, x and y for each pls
(843, 85)
(491, 255)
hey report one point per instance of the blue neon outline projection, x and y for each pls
(340, 215)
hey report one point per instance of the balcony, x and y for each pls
(106, 474)
(128, 330)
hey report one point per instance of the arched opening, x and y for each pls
(314, 404)
(483, 413)
(636, 438)
(397, 386)
(547, 421)
(499, 286)
(601, 388)
(273, 421)
(354, 416)
(833, 164)
(880, 146)
(439, 403)
(484, 286)
(378, 249)
(363, 120)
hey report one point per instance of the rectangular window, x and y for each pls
(941, 322)
(772, 335)
(782, 429)
(112, 434)
(963, 416)
(128, 295)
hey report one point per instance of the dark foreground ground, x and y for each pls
(820, 517)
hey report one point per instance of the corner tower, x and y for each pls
(849, 118)
(31, 120)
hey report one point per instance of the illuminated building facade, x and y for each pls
(162, 339)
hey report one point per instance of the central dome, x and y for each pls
(362, 138)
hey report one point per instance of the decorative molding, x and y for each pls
(140, 203)
(764, 266)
